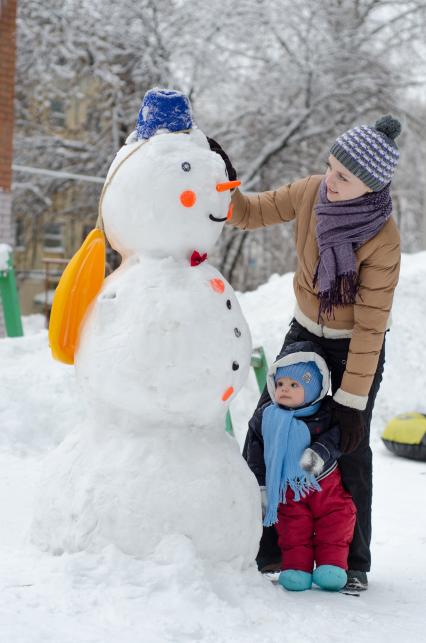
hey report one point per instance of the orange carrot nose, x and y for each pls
(229, 185)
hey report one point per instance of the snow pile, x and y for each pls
(5, 252)
(39, 402)
(33, 324)
(404, 382)
(173, 595)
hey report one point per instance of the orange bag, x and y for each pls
(80, 283)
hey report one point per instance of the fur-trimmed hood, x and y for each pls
(300, 352)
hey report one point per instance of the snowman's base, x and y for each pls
(131, 490)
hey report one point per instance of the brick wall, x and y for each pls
(6, 228)
(7, 91)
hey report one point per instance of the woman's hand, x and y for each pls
(351, 424)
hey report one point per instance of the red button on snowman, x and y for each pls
(162, 351)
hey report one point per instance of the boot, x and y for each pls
(295, 580)
(329, 577)
(357, 581)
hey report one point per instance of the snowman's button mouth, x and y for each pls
(217, 219)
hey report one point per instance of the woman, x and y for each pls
(348, 258)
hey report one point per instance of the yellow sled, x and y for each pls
(80, 283)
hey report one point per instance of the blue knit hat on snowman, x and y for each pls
(307, 374)
(163, 109)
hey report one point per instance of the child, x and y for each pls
(293, 448)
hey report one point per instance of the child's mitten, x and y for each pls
(311, 462)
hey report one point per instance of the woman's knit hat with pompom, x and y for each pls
(370, 153)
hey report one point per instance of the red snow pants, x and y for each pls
(318, 528)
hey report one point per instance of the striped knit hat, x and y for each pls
(370, 153)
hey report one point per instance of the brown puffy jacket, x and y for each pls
(378, 262)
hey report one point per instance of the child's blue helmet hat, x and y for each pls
(307, 374)
(165, 109)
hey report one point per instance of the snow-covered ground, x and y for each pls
(173, 596)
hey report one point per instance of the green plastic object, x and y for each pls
(10, 301)
(228, 426)
(260, 367)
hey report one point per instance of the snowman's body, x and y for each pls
(162, 350)
(171, 354)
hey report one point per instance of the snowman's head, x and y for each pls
(165, 196)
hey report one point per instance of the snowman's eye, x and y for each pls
(186, 167)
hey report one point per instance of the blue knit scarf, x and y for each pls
(285, 438)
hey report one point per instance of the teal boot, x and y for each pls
(329, 577)
(294, 580)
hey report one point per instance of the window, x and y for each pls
(19, 234)
(57, 112)
(53, 238)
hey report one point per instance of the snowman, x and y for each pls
(162, 351)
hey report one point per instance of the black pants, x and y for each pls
(356, 467)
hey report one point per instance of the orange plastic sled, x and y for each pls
(80, 283)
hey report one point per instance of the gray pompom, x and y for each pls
(389, 126)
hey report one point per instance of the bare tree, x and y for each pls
(82, 69)
(275, 81)
(325, 66)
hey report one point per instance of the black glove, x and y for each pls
(215, 147)
(351, 423)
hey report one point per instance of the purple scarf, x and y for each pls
(342, 227)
